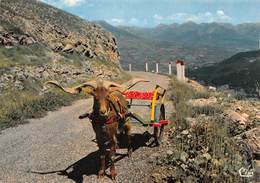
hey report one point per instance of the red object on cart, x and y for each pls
(139, 95)
(160, 123)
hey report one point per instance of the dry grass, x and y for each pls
(208, 136)
(16, 106)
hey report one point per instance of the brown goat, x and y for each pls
(109, 109)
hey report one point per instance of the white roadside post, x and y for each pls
(157, 68)
(130, 67)
(146, 67)
(170, 68)
(183, 72)
(180, 66)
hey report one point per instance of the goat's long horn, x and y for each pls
(134, 82)
(122, 88)
(109, 84)
(87, 87)
(68, 90)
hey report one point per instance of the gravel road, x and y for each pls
(61, 148)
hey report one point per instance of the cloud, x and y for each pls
(116, 21)
(221, 16)
(220, 13)
(133, 21)
(120, 21)
(72, 2)
(157, 17)
(63, 3)
(218, 16)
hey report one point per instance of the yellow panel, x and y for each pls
(154, 103)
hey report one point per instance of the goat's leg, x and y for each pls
(102, 144)
(112, 159)
(129, 140)
(102, 162)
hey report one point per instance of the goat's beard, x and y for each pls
(105, 116)
(102, 117)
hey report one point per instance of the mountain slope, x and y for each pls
(198, 44)
(133, 48)
(212, 34)
(239, 71)
(39, 42)
(55, 28)
(141, 45)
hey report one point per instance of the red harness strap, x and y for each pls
(110, 120)
(90, 116)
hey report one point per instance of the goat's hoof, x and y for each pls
(129, 153)
(101, 173)
(113, 176)
(113, 173)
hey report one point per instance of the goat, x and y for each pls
(109, 110)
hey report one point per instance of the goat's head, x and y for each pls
(102, 96)
(101, 90)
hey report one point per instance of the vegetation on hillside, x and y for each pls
(17, 106)
(56, 29)
(201, 147)
(28, 105)
(241, 71)
(39, 42)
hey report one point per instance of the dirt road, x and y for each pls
(60, 147)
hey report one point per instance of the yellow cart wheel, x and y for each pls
(159, 129)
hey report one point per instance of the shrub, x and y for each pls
(207, 110)
(16, 110)
(211, 155)
(210, 152)
(181, 93)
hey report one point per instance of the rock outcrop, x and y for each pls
(11, 39)
(27, 21)
(19, 77)
(39, 42)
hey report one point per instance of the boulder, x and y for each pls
(198, 87)
(235, 117)
(57, 47)
(239, 108)
(184, 156)
(191, 121)
(245, 115)
(68, 48)
(203, 102)
(26, 40)
(252, 138)
(212, 88)
(185, 132)
(18, 85)
(89, 53)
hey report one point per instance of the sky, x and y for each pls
(149, 13)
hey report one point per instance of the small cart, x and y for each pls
(156, 107)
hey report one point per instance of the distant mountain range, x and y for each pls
(241, 71)
(198, 44)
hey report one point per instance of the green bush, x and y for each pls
(207, 110)
(25, 105)
(214, 156)
(207, 143)
(181, 93)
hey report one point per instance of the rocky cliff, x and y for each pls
(29, 21)
(39, 42)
